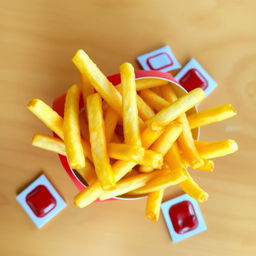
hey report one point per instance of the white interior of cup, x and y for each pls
(195, 132)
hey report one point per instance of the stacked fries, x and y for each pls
(153, 149)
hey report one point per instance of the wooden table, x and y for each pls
(38, 40)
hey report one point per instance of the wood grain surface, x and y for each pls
(37, 42)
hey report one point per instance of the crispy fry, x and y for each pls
(125, 152)
(151, 159)
(71, 129)
(87, 88)
(88, 173)
(148, 137)
(49, 143)
(136, 154)
(88, 195)
(147, 83)
(165, 141)
(84, 129)
(190, 187)
(173, 158)
(130, 111)
(171, 112)
(111, 119)
(154, 100)
(153, 204)
(216, 149)
(187, 145)
(98, 142)
(98, 80)
(211, 115)
(168, 93)
(163, 180)
(128, 184)
(47, 115)
(185, 140)
(145, 111)
(207, 166)
(56, 145)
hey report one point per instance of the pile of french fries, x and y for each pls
(133, 139)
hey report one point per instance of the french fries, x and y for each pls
(153, 204)
(71, 129)
(185, 140)
(98, 80)
(111, 119)
(165, 179)
(98, 142)
(47, 115)
(128, 184)
(49, 143)
(190, 187)
(154, 100)
(211, 115)
(171, 112)
(147, 83)
(130, 111)
(165, 141)
(209, 150)
(112, 150)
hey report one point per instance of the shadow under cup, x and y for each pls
(58, 106)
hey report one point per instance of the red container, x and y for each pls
(58, 105)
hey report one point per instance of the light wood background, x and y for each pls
(37, 41)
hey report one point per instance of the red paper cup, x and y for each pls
(58, 106)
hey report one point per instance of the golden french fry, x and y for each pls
(156, 90)
(98, 80)
(173, 158)
(207, 166)
(130, 111)
(168, 93)
(185, 140)
(211, 115)
(152, 160)
(125, 152)
(154, 100)
(209, 150)
(88, 173)
(91, 193)
(128, 184)
(47, 115)
(88, 195)
(187, 145)
(98, 142)
(71, 129)
(111, 119)
(56, 145)
(165, 141)
(136, 154)
(84, 129)
(147, 83)
(153, 204)
(148, 137)
(87, 88)
(145, 111)
(171, 112)
(163, 180)
(49, 143)
(190, 187)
